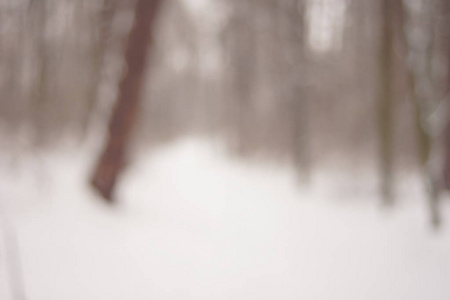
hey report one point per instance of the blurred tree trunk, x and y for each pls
(102, 26)
(446, 5)
(424, 138)
(11, 256)
(296, 37)
(38, 16)
(243, 60)
(124, 113)
(385, 99)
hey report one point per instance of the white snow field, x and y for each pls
(195, 224)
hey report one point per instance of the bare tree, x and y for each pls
(385, 99)
(446, 6)
(124, 113)
(414, 78)
(38, 11)
(242, 53)
(295, 12)
(102, 28)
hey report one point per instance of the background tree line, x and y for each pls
(309, 83)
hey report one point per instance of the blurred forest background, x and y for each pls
(354, 84)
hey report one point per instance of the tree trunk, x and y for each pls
(124, 113)
(447, 129)
(424, 139)
(385, 100)
(244, 63)
(299, 100)
(102, 25)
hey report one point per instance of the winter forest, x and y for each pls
(224, 149)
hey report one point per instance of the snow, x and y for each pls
(195, 224)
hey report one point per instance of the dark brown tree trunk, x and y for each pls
(124, 113)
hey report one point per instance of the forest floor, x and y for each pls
(194, 224)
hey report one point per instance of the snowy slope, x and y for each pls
(194, 224)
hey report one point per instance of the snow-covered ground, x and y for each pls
(194, 224)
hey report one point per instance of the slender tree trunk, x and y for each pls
(244, 63)
(11, 256)
(385, 100)
(424, 139)
(103, 33)
(424, 144)
(446, 4)
(299, 101)
(38, 15)
(124, 113)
